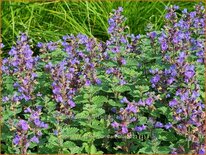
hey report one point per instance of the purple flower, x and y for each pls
(189, 71)
(131, 108)
(116, 50)
(124, 130)
(179, 110)
(55, 132)
(141, 103)
(184, 11)
(195, 94)
(176, 7)
(133, 119)
(122, 82)
(51, 46)
(24, 125)
(123, 40)
(16, 140)
(185, 96)
(155, 79)
(5, 99)
(43, 125)
(71, 103)
(173, 103)
(39, 133)
(35, 139)
(152, 35)
(87, 83)
(120, 9)
(28, 110)
(37, 122)
(149, 101)
(170, 80)
(115, 125)
(40, 45)
(164, 46)
(124, 100)
(1, 45)
(201, 151)
(98, 81)
(168, 126)
(56, 90)
(114, 109)
(59, 98)
(158, 125)
(123, 61)
(140, 128)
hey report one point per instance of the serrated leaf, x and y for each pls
(68, 131)
(122, 89)
(114, 104)
(76, 149)
(142, 120)
(99, 100)
(146, 150)
(82, 115)
(163, 110)
(163, 149)
(93, 149)
(69, 144)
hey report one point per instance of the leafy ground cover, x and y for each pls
(128, 94)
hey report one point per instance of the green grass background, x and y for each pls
(49, 21)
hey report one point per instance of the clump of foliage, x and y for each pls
(132, 94)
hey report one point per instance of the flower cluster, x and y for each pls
(179, 82)
(22, 137)
(117, 45)
(78, 69)
(21, 65)
(129, 115)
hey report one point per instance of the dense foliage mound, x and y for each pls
(130, 94)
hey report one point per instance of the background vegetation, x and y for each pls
(45, 20)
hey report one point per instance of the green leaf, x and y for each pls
(86, 147)
(163, 110)
(142, 120)
(122, 89)
(69, 144)
(114, 104)
(82, 115)
(53, 141)
(76, 150)
(99, 100)
(110, 64)
(146, 150)
(93, 149)
(163, 149)
(68, 131)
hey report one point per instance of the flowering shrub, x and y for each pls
(131, 94)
